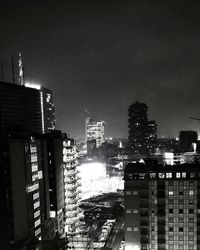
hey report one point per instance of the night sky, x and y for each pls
(101, 56)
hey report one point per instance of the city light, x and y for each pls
(32, 85)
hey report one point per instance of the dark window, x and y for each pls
(170, 211)
(191, 211)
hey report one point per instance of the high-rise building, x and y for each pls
(24, 108)
(162, 206)
(47, 107)
(142, 132)
(187, 140)
(21, 183)
(95, 131)
(20, 108)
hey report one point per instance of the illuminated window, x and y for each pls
(191, 192)
(168, 175)
(171, 192)
(128, 192)
(135, 211)
(129, 229)
(135, 229)
(184, 175)
(135, 192)
(128, 211)
(178, 175)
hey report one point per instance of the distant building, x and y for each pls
(187, 140)
(95, 131)
(142, 132)
(167, 144)
(162, 205)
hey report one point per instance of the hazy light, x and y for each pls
(32, 85)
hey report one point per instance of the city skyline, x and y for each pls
(112, 53)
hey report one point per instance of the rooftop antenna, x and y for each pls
(2, 71)
(21, 70)
(13, 70)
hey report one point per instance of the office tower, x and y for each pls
(73, 214)
(142, 132)
(21, 182)
(162, 206)
(24, 108)
(20, 108)
(95, 131)
(47, 107)
(187, 140)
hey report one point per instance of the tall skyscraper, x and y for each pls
(95, 131)
(24, 108)
(162, 206)
(20, 108)
(47, 107)
(142, 132)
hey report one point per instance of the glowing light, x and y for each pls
(32, 85)
(42, 110)
(131, 247)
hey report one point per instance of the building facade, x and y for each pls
(162, 207)
(95, 131)
(20, 108)
(142, 132)
(72, 190)
(21, 190)
(27, 108)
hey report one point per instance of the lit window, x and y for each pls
(178, 175)
(168, 175)
(135, 211)
(135, 229)
(135, 192)
(171, 192)
(191, 192)
(128, 192)
(128, 211)
(129, 229)
(184, 175)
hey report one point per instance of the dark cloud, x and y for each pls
(103, 55)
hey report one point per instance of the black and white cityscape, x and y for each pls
(99, 125)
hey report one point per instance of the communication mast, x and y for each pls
(21, 70)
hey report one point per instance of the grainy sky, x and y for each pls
(101, 56)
